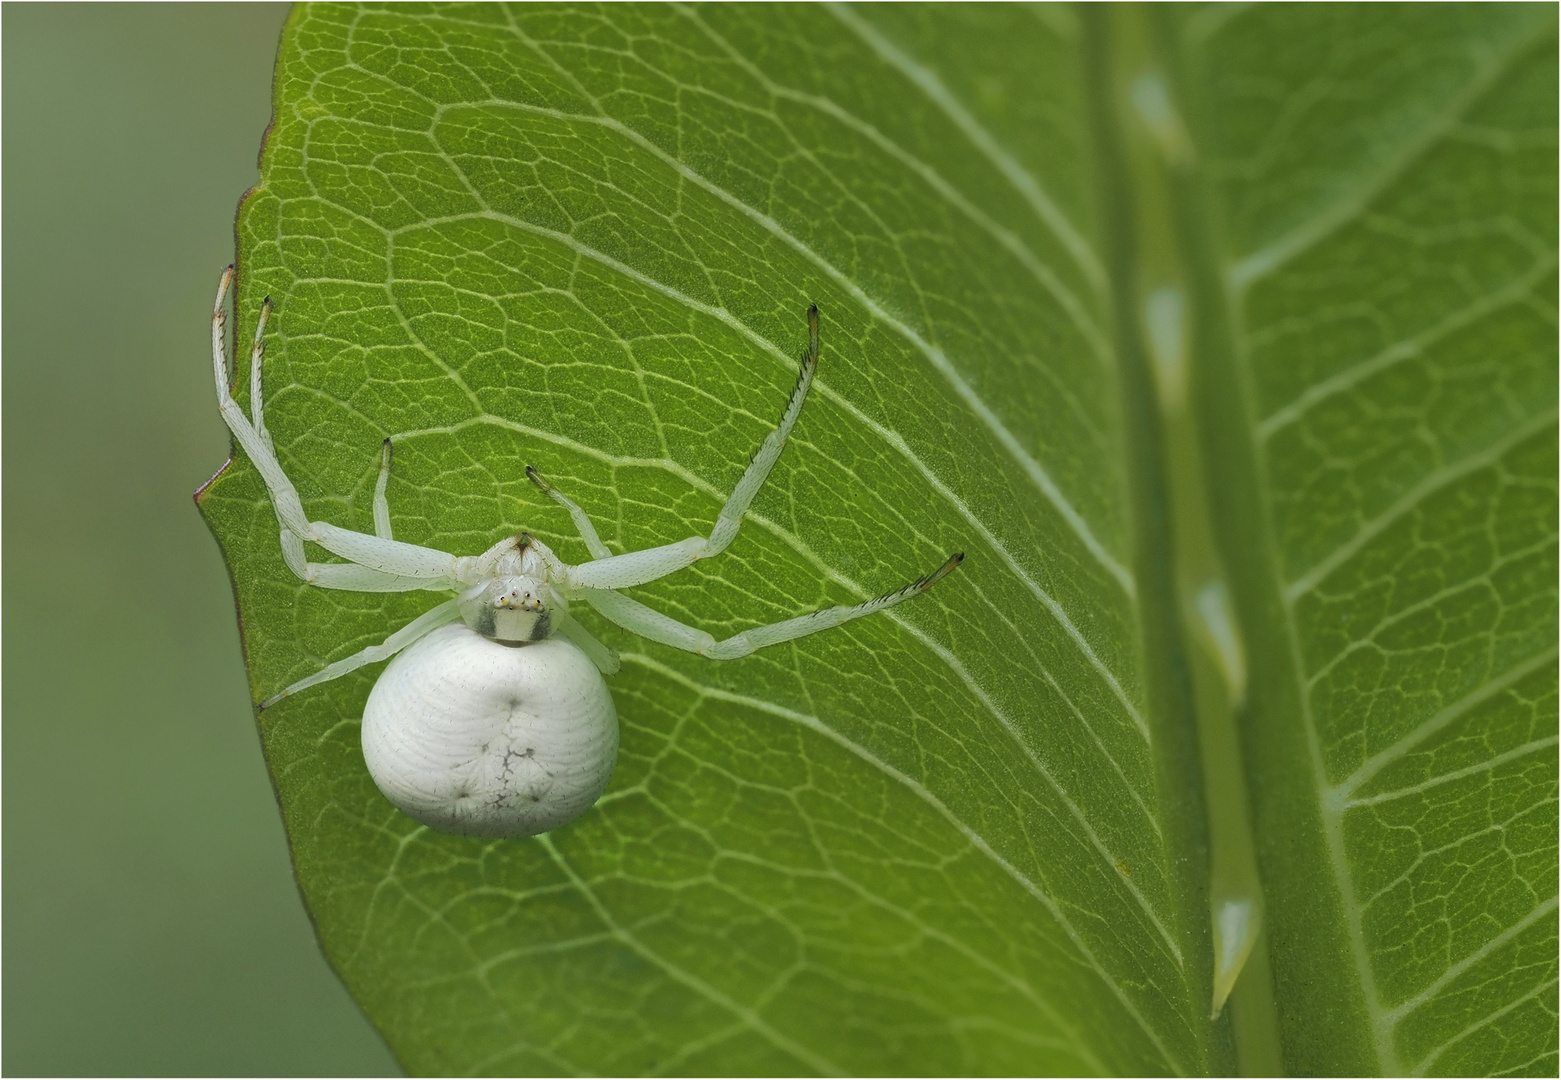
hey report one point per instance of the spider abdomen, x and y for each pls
(474, 737)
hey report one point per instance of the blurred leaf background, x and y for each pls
(151, 922)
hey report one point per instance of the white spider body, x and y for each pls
(500, 724)
(479, 738)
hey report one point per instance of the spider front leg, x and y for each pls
(650, 623)
(381, 563)
(593, 543)
(638, 567)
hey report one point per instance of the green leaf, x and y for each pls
(1379, 407)
(982, 833)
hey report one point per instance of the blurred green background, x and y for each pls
(151, 921)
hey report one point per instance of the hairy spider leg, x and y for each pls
(650, 623)
(382, 564)
(418, 628)
(639, 567)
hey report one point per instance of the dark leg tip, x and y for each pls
(943, 571)
(810, 357)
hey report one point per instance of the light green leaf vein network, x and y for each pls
(366, 196)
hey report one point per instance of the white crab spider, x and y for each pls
(493, 719)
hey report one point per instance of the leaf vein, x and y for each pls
(1043, 274)
(1457, 774)
(975, 839)
(1514, 292)
(1442, 719)
(1539, 911)
(892, 438)
(752, 1019)
(1433, 482)
(1424, 1067)
(1346, 208)
(1046, 209)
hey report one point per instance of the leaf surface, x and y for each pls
(965, 836)
(1380, 408)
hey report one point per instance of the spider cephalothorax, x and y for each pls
(511, 609)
